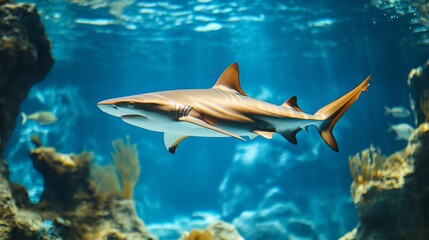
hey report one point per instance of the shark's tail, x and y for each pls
(332, 112)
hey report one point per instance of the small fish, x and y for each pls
(41, 117)
(402, 130)
(397, 112)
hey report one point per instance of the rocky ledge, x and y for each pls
(25, 59)
(391, 194)
(71, 207)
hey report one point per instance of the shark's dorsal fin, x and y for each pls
(230, 80)
(171, 141)
(292, 103)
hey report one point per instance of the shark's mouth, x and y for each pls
(130, 116)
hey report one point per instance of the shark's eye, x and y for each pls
(131, 104)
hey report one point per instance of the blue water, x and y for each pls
(317, 51)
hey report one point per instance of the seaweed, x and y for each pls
(119, 178)
(105, 180)
(125, 158)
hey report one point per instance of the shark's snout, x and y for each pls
(109, 108)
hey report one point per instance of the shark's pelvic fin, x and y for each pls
(204, 124)
(292, 103)
(265, 134)
(230, 80)
(332, 112)
(172, 141)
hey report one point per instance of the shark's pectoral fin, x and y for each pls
(291, 135)
(265, 134)
(204, 124)
(171, 141)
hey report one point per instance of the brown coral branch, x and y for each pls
(125, 157)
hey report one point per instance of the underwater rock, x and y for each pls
(391, 195)
(260, 225)
(66, 177)
(418, 82)
(25, 59)
(16, 223)
(71, 201)
(216, 231)
(70, 206)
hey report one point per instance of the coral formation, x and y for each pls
(25, 59)
(371, 171)
(198, 235)
(105, 180)
(216, 231)
(393, 202)
(125, 157)
(418, 82)
(70, 206)
(118, 179)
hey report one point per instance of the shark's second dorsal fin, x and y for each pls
(292, 103)
(230, 79)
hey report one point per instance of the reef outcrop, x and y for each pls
(25, 59)
(391, 194)
(71, 206)
(418, 82)
(216, 231)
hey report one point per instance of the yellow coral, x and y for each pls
(371, 172)
(125, 158)
(198, 235)
(365, 168)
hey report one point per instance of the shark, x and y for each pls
(225, 110)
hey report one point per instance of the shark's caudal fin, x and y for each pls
(332, 112)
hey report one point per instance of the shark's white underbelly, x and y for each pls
(188, 129)
(183, 128)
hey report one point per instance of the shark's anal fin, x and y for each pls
(291, 135)
(204, 124)
(265, 134)
(171, 141)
